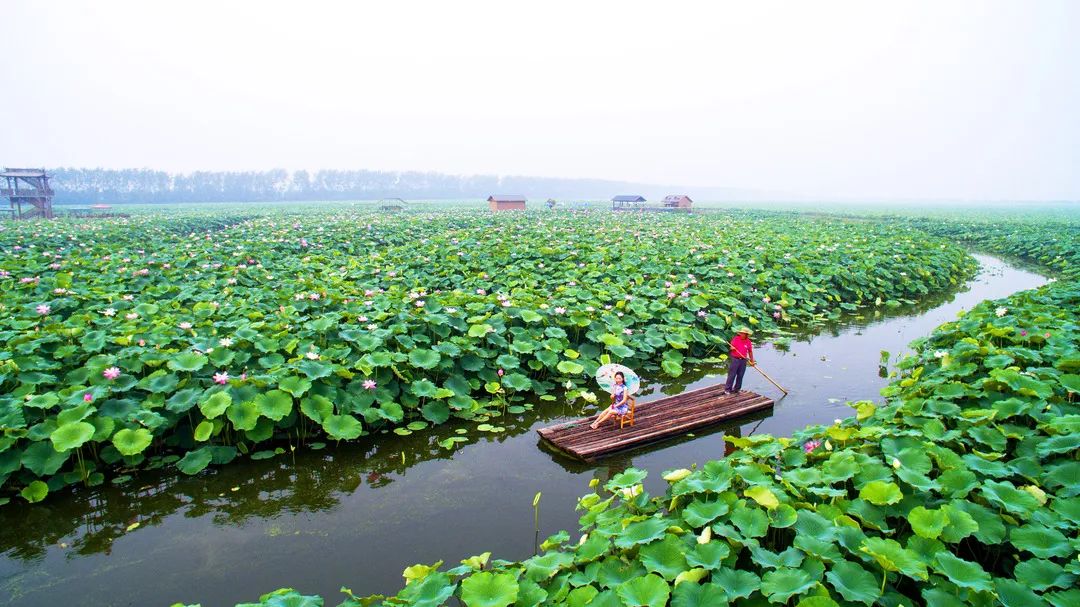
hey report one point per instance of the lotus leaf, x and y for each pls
(132, 441)
(647, 591)
(485, 589)
(71, 436)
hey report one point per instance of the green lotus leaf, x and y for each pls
(203, 431)
(928, 523)
(423, 388)
(582, 596)
(664, 557)
(315, 369)
(626, 479)
(1041, 574)
(42, 401)
(641, 532)
(738, 584)
(1006, 495)
(894, 557)
(71, 436)
(274, 405)
(569, 367)
(243, 416)
(517, 381)
(35, 492)
(295, 385)
(215, 404)
(699, 595)
(42, 459)
(316, 408)
(709, 555)
(436, 412)
(432, 590)
(540, 568)
(342, 427)
(195, 461)
(132, 441)
(1012, 593)
(1040, 540)
(881, 493)
(647, 591)
(783, 583)
(960, 524)
(700, 513)
(966, 574)
(480, 330)
(854, 583)
(187, 361)
(751, 522)
(485, 589)
(763, 496)
(424, 359)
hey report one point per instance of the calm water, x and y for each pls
(358, 515)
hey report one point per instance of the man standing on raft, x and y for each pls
(742, 350)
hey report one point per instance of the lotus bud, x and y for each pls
(676, 475)
(895, 463)
(583, 539)
(706, 536)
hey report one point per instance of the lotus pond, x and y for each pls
(356, 514)
(198, 340)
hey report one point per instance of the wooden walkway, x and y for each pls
(655, 420)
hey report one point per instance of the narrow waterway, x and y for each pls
(358, 515)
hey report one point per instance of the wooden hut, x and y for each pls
(677, 201)
(28, 187)
(624, 202)
(506, 202)
(392, 205)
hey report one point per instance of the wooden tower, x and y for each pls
(28, 187)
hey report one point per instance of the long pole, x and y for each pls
(764, 374)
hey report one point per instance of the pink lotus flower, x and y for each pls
(369, 384)
(419, 303)
(628, 332)
(131, 316)
(776, 315)
(185, 325)
(88, 397)
(142, 342)
(702, 313)
(111, 373)
(221, 378)
(109, 312)
(560, 310)
(43, 309)
(500, 372)
(809, 446)
(312, 355)
(1023, 333)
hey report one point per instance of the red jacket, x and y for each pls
(742, 347)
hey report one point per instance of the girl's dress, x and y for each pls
(623, 409)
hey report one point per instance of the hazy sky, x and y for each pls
(957, 99)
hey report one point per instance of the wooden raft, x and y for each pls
(654, 420)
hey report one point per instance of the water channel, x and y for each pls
(357, 515)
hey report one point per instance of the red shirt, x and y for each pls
(742, 347)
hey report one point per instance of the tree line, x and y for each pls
(89, 186)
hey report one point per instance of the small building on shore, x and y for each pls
(506, 202)
(627, 202)
(677, 201)
(392, 205)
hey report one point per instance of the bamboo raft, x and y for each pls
(653, 421)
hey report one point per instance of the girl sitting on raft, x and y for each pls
(620, 401)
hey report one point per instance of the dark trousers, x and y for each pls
(735, 374)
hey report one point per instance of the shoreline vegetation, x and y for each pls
(960, 490)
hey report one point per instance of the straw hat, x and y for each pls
(744, 329)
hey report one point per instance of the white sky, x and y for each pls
(937, 99)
